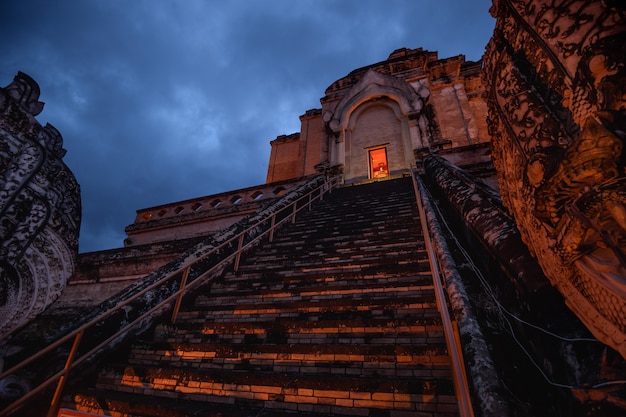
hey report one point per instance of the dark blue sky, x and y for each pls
(160, 101)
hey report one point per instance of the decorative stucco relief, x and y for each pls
(39, 209)
(557, 119)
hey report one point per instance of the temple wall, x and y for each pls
(451, 109)
(439, 103)
(173, 231)
(312, 139)
(203, 215)
(285, 159)
(100, 275)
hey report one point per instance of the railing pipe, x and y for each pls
(453, 342)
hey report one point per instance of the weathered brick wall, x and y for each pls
(438, 103)
(285, 160)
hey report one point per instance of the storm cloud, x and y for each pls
(160, 101)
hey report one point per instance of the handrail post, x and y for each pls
(238, 255)
(181, 293)
(272, 226)
(56, 398)
(295, 210)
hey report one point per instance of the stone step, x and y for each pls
(286, 403)
(293, 261)
(405, 305)
(422, 327)
(320, 251)
(259, 284)
(385, 360)
(322, 246)
(229, 294)
(138, 405)
(320, 274)
(283, 390)
(341, 266)
(349, 229)
(297, 279)
(262, 315)
(336, 316)
(433, 336)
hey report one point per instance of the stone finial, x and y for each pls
(26, 92)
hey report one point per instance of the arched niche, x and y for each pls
(378, 111)
(376, 124)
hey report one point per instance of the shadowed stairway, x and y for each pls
(336, 316)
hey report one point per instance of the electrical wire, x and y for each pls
(506, 312)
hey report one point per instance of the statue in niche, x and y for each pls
(39, 209)
(556, 76)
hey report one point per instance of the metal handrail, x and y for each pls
(453, 341)
(76, 335)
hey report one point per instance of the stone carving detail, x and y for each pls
(557, 119)
(39, 209)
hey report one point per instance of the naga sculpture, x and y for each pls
(39, 209)
(557, 119)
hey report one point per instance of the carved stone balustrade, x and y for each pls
(557, 118)
(40, 209)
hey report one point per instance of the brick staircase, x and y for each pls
(336, 316)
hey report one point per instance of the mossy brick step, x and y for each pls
(434, 338)
(317, 314)
(307, 260)
(287, 391)
(193, 354)
(297, 282)
(366, 338)
(312, 352)
(316, 256)
(261, 286)
(354, 265)
(319, 251)
(315, 291)
(177, 381)
(418, 301)
(359, 210)
(123, 404)
(225, 295)
(344, 232)
(378, 368)
(271, 279)
(357, 213)
(307, 274)
(313, 314)
(355, 221)
(346, 323)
